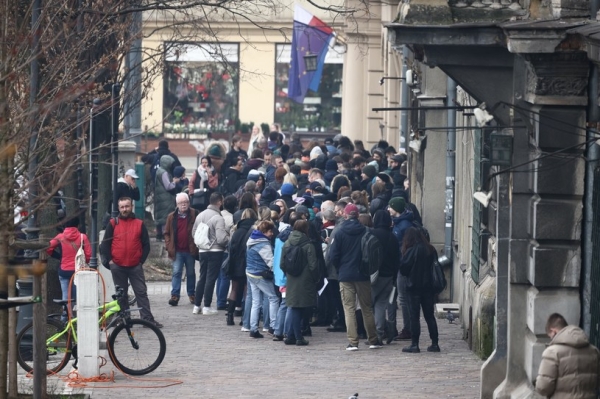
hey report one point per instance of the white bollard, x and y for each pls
(88, 332)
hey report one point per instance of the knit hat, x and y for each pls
(329, 140)
(309, 201)
(370, 171)
(269, 194)
(275, 207)
(398, 204)
(316, 186)
(351, 210)
(331, 165)
(384, 177)
(398, 158)
(302, 210)
(178, 171)
(374, 164)
(315, 152)
(287, 189)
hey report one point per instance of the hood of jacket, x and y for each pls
(382, 220)
(232, 171)
(166, 161)
(71, 233)
(246, 223)
(407, 215)
(572, 336)
(257, 237)
(298, 238)
(285, 234)
(352, 227)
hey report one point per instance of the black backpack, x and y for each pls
(438, 278)
(294, 260)
(372, 255)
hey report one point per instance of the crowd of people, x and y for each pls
(283, 226)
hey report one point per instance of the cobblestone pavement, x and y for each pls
(214, 360)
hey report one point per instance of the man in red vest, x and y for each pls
(124, 250)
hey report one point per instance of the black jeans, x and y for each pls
(422, 300)
(122, 276)
(210, 265)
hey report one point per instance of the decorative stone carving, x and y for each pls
(558, 78)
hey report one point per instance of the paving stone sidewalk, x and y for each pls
(214, 360)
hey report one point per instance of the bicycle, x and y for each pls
(135, 346)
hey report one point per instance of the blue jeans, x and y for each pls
(181, 259)
(248, 308)
(64, 287)
(283, 320)
(258, 285)
(222, 288)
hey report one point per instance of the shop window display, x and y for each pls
(321, 111)
(201, 88)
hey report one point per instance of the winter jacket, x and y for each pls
(126, 242)
(280, 278)
(301, 291)
(232, 181)
(570, 366)
(65, 246)
(416, 265)
(171, 232)
(164, 200)
(345, 251)
(237, 248)
(401, 224)
(379, 203)
(382, 222)
(259, 254)
(232, 157)
(218, 235)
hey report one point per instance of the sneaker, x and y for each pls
(192, 298)
(265, 329)
(256, 334)
(277, 337)
(433, 348)
(196, 310)
(411, 349)
(174, 300)
(301, 342)
(209, 311)
(271, 331)
(244, 329)
(403, 336)
(351, 347)
(376, 345)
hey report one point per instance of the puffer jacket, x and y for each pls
(259, 254)
(417, 265)
(569, 367)
(217, 232)
(401, 224)
(301, 290)
(345, 252)
(237, 249)
(164, 201)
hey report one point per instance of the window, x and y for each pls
(200, 88)
(320, 112)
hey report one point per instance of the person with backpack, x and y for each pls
(64, 247)
(259, 270)
(164, 194)
(299, 262)
(345, 254)
(418, 256)
(402, 220)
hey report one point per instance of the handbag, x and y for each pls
(199, 199)
(80, 262)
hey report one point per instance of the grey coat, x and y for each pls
(164, 201)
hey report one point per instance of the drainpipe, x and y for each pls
(404, 100)
(450, 174)
(588, 211)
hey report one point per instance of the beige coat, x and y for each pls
(569, 367)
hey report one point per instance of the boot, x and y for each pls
(390, 332)
(230, 311)
(413, 348)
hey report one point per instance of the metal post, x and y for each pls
(13, 387)
(450, 175)
(135, 86)
(115, 145)
(93, 190)
(39, 329)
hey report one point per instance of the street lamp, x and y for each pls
(310, 62)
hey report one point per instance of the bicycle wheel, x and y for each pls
(58, 351)
(137, 347)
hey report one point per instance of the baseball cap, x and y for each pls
(131, 172)
(398, 158)
(351, 210)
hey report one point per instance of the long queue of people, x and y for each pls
(279, 236)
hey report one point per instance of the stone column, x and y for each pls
(354, 89)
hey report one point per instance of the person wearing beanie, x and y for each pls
(268, 195)
(287, 191)
(183, 182)
(345, 254)
(331, 171)
(367, 175)
(402, 220)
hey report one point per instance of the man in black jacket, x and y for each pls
(345, 254)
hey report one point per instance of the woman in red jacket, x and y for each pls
(64, 247)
